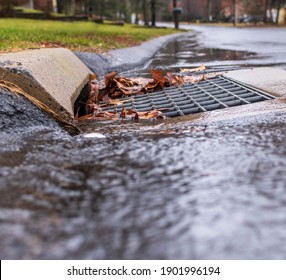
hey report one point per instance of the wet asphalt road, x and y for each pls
(247, 46)
(147, 191)
(174, 189)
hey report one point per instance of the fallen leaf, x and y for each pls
(157, 75)
(85, 117)
(123, 112)
(115, 102)
(112, 88)
(109, 78)
(92, 77)
(174, 80)
(200, 68)
(193, 79)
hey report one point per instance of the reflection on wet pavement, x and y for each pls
(185, 52)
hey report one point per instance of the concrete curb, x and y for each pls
(128, 58)
(53, 76)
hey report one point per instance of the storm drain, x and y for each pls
(211, 94)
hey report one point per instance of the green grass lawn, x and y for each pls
(19, 34)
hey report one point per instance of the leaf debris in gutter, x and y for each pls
(113, 87)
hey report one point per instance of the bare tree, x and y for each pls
(136, 10)
(49, 7)
(31, 4)
(234, 12)
(145, 12)
(278, 4)
(209, 7)
(188, 9)
(266, 7)
(127, 11)
(153, 12)
(175, 14)
(69, 7)
(6, 7)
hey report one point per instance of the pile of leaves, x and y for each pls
(112, 88)
(117, 87)
(99, 114)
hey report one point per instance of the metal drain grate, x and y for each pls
(212, 94)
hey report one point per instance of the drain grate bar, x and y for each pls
(230, 93)
(211, 94)
(249, 88)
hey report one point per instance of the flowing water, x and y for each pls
(183, 188)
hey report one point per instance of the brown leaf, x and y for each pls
(141, 82)
(116, 102)
(92, 77)
(109, 78)
(96, 107)
(116, 94)
(175, 80)
(157, 75)
(153, 114)
(125, 81)
(200, 68)
(113, 88)
(131, 111)
(124, 89)
(123, 112)
(151, 86)
(85, 117)
(193, 79)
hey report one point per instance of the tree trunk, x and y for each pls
(102, 10)
(278, 7)
(153, 12)
(209, 10)
(188, 9)
(176, 17)
(137, 11)
(270, 9)
(266, 5)
(145, 12)
(31, 4)
(127, 11)
(69, 7)
(234, 12)
(49, 7)
(10, 5)
(60, 7)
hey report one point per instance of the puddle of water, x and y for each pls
(175, 56)
(186, 53)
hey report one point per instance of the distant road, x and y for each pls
(268, 42)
